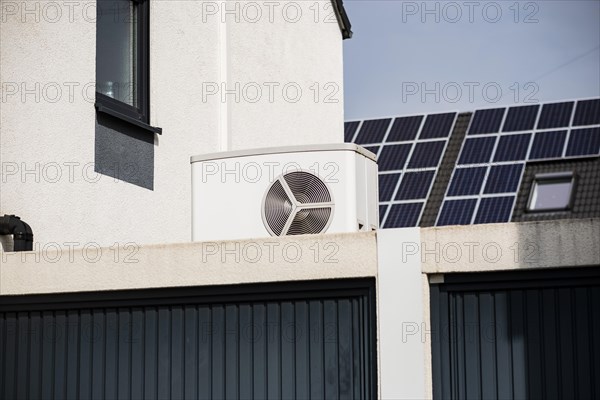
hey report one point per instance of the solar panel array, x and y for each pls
(499, 143)
(490, 165)
(409, 151)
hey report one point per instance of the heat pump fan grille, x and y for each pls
(307, 188)
(314, 221)
(297, 203)
(277, 208)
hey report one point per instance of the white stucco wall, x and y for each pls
(63, 199)
(515, 246)
(400, 315)
(305, 72)
(308, 257)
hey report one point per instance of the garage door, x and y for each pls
(517, 335)
(303, 340)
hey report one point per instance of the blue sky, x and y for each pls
(419, 57)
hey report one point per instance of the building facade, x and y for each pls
(218, 76)
(483, 282)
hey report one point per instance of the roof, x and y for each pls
(342, 18)
(478, 167)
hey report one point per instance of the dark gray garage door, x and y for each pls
(302, 340)
(518, 335)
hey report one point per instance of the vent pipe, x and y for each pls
(21, 232)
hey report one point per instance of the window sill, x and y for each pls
(106, 110)
(548, 211)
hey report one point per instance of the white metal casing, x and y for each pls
(228, 188)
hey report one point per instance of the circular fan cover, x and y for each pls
(297, 203)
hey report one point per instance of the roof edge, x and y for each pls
(342, 18)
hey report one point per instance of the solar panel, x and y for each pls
(427, 154)
(393, 157)
(587, 112)
(382, 210)
(349, 130)
(372, 131)
(486, 121)
(437, 126)
(512, 147)
(520, 118)
(503, 178)
(372, 149)
(457, 212)
(556, 115)
(403, 215)
(584, 142)
(494, 209)
(467, 181)
(404, 128)
(477, 150)
(415, 185)
(387, 184)
(491, 162)
(547, 145)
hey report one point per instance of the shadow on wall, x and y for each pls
(124, 151)
(6, 243)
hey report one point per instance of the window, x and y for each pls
(551, 192)
(122, 60)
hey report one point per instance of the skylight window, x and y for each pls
(551, 192)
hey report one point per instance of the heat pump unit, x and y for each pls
(284, 191)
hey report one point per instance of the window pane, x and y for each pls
(551, 195)
(115, 50)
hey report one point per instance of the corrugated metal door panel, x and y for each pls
(295, 348)
(517, 335)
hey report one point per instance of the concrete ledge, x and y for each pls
(494, 247)
(189, 264)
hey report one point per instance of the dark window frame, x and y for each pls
(555, 177)
(140, 115)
